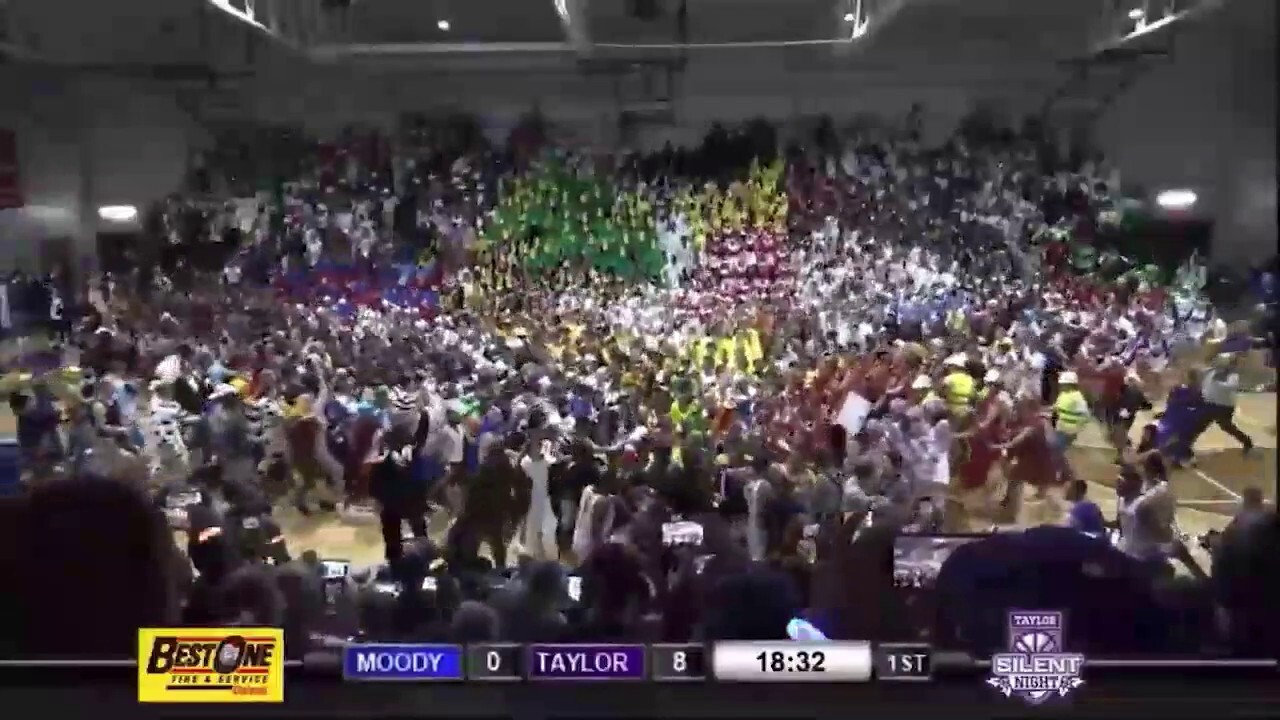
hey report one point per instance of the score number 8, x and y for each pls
(679, 661)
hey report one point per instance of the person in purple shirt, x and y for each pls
(1181, 421)
(1085, 515)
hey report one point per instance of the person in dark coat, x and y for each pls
(493, 502)
(583, 471)
(1132, 401)
(399, 498)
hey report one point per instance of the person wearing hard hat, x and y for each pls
(1071, 414)
(959, 388)
(921, 390)
(241, 386)
(982, 436)
(1028, 453)
(993, 399)
(981, 439)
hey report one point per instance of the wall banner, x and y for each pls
(10, 183)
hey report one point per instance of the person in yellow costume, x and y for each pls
(758, 201)
(1071, 410)
(698, 221)
(711, 205)
(711, 211)
(15, 382)
(698, 350)
(780, 214)
(770, 202)
(750, 351)
(726, 352)
(959, 387)
(738, 216)
(681, 409)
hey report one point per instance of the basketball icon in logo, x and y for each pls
(227, 657)
(1035, 642)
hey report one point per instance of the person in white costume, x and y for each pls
(758, 492)
(163, 441)
(538, 531)
(594, 523)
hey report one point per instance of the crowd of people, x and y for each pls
(699, 393)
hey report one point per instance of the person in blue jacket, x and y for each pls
(1182, 420)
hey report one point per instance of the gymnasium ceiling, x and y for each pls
(126, 32)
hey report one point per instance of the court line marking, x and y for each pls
(1248, 416)
(1207, 478)
(1265, 426)
(1209, 503)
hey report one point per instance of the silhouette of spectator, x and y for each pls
(1246, 592)
(101, 564)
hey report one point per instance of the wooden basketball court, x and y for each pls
(1207, 494)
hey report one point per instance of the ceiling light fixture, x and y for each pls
(1137, 14)
(118, 213)
(443, 25)
(1176, 199)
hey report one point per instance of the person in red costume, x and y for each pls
(1029, 454)
(982, 439)
(364, 434)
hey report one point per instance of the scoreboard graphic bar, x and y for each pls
(787, 661)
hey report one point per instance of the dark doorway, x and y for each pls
(118, 252)
(1166, 242)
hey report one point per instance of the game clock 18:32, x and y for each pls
(802, 661)
(792, 661)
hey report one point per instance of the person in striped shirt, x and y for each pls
(163, 438)
(1220, 388)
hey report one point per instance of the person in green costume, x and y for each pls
(580, 218)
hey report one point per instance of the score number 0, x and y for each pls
(495, 662)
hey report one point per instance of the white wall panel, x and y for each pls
(140, 142)
(1207, 121)
(45, 119)
(85, 142)
(114, 31)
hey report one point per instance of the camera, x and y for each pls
(682, 532)
(335, 569)
(917, 559)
